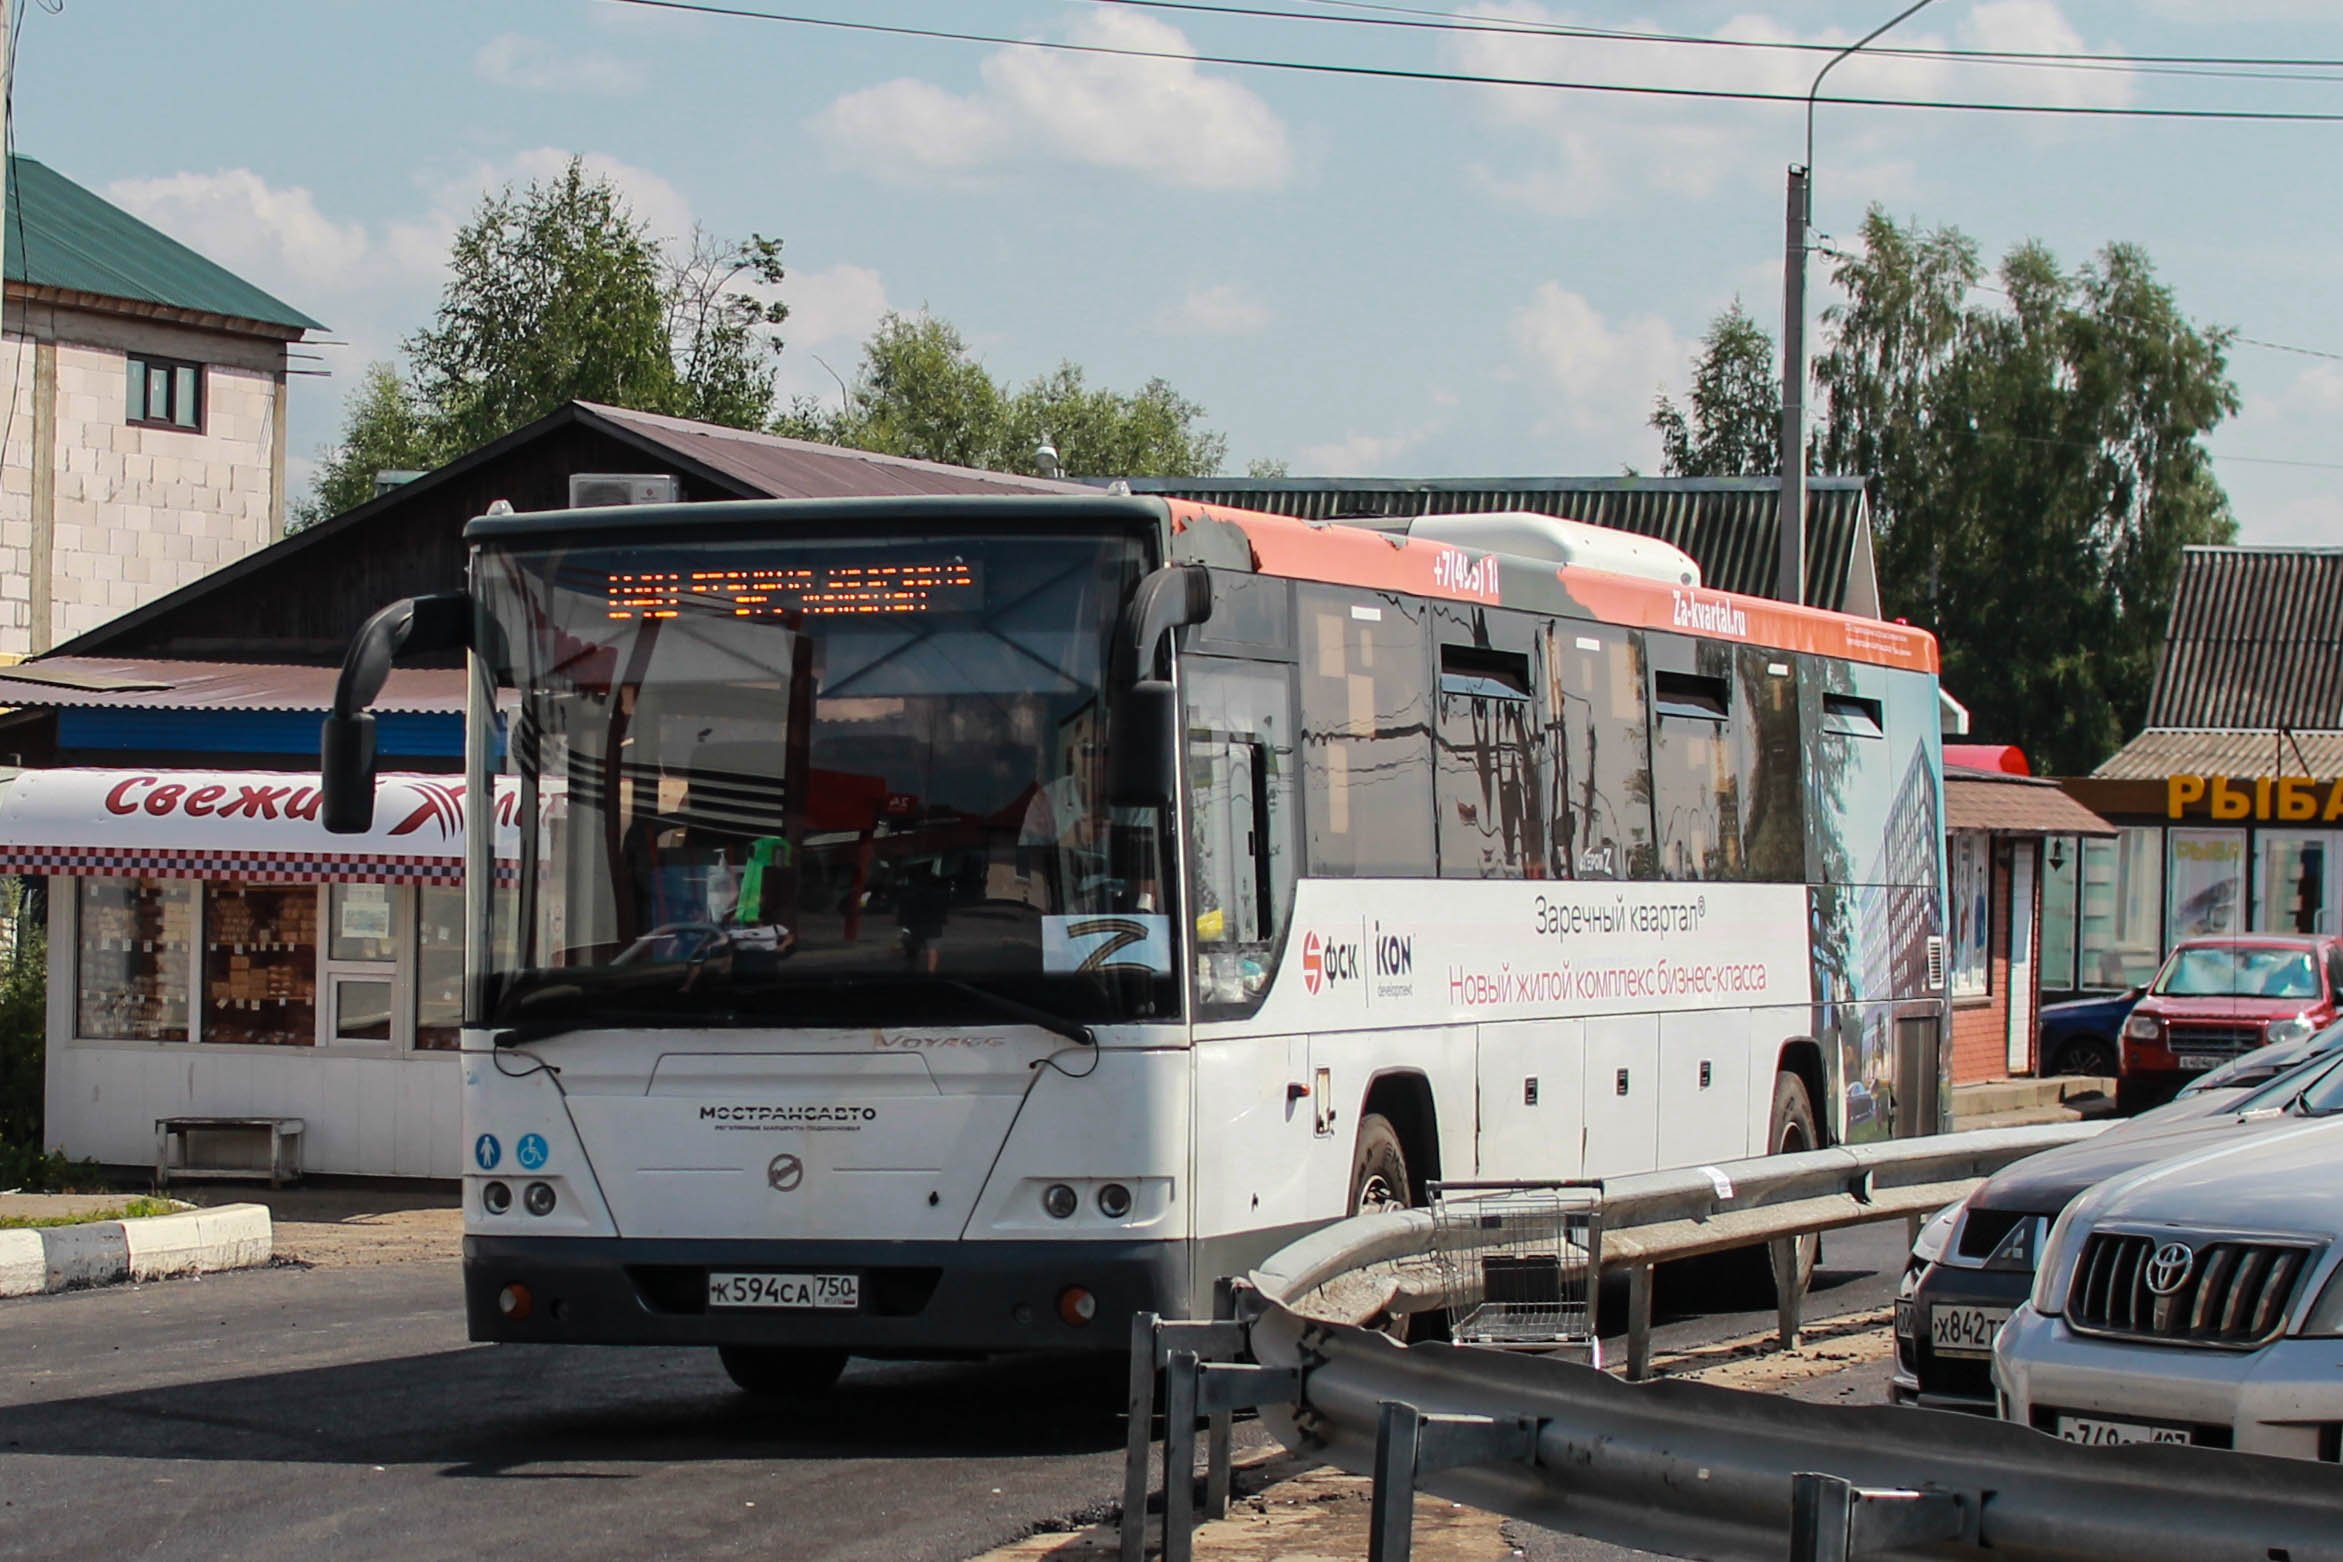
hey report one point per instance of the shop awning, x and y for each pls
(255, 824)
(2014, 805)
(129, 683)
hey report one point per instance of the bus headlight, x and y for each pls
(539, 1198)
(1114, 1201)
(496, 1197)
(1060, 1200)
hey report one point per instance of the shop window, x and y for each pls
(135, 940)
(2122, 908)
(163, 392)
(2291, 894)
(1491, 823)
(1591, 684)
(439, 968)
(1969, 866)
(362, 1008)
(2062, 865)
(1366, 735)
(260, 964)
(2204, 883)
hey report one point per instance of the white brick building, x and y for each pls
(143, 441)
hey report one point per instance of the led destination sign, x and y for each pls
(942, 585)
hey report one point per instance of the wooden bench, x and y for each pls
(284, 1147)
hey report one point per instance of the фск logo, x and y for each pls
(1325, 962)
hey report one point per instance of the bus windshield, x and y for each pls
(817, 781)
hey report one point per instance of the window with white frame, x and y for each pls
(1969, 867)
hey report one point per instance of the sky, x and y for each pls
(1353, 275)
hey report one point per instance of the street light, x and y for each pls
(1790, 582)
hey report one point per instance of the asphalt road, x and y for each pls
(288, 1412)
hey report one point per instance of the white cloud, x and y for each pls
(832, 312)
(1594, 148)
(1597, 378)
(525, 64)
(1358, 455)
(1162, 119)
(275, 236)
(1223, 309)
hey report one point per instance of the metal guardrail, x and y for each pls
(1680, 1467)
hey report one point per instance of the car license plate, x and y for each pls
(2198, 1062)
(822, 1293)
(2106, 1434)
(1964, 1331)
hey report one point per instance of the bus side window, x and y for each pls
(1491, 825)
(1768, 762)
(1590, 687)
(1696, 791)
(1366, 733)
(1240, 823)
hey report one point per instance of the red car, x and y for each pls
(2219, 997)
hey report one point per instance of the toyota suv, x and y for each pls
(2195, 1300)
(2218, 998)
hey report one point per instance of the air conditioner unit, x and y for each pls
(596, 490)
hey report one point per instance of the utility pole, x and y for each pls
(1790, 581)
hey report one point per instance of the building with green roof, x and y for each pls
(147, 392)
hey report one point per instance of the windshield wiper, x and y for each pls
(1017, 1009)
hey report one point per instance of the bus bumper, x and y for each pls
(915, 1297)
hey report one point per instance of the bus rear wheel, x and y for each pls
(782, 1371)
(1792, 1130)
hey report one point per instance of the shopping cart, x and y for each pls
(1520, 1262)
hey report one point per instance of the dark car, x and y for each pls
(1974, 1263)
(2085, 1035)
(2218, 998)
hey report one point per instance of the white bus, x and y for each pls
(948, 925)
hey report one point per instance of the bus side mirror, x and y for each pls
(1142, 740)
(345, 758)
(1142, 745)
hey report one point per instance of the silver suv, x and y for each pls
(2195, 1300)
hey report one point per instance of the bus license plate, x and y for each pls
(822, 1293)
(1964, 1331)
(2104, 1434)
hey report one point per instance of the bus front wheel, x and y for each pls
(1379, 1182)
(781, 1371)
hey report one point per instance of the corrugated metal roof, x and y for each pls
(1731, 525)
(766, 466)
(121, 683)
(2158, 753)
(63, 236)
(2255, 641)
(2014, 805)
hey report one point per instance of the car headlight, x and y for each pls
(2055, 1270)
(2286, 1032)
(2143, 1027)
(2326, 1314)
(1936, 1238)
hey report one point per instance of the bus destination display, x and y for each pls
(780, 591)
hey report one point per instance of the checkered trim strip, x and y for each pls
(261, 867)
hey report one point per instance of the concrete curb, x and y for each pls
(155, 1247)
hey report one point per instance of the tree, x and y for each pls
(723, 371)
(2036, 470)
(382, 430)
(1734, 424)
(921, 393)
(555, 293)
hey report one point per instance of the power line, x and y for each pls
(1467, 78)
(1506, 24)
(2215, 67)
